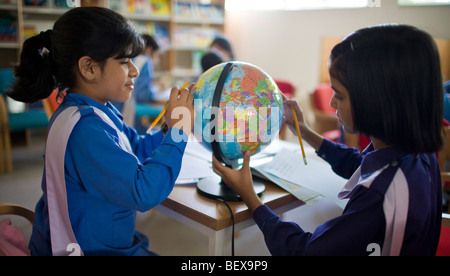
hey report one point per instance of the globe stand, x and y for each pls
(213, 187)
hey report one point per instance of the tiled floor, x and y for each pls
(167, 236)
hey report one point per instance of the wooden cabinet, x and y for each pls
(183, 28)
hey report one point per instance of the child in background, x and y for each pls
(146, 62)
(209, 60)
(222, 47)
(387, 85)
(108, 171)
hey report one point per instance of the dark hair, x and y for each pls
(49, 60)
(393, 76)
(223, 43)
(209, 60)
(150, 42)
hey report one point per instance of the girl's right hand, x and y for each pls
(180, 109)
(309, 135)
(289, 117)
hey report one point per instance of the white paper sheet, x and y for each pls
(316, 176)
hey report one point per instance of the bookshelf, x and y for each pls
(183, 28)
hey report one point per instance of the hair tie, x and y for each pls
(46, 40)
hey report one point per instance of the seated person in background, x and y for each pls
(146, 62)
(222, 47)
(209, 60)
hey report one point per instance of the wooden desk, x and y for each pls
(212, 217)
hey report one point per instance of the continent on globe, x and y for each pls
(238, 108)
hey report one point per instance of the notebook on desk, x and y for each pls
(287, 170)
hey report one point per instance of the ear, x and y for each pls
(88, 68)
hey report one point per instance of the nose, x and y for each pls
(333, 102)
(133, 71)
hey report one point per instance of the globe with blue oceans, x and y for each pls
(238, 108)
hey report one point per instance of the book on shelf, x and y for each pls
(160, 7)
(65, 3)
(29, 31)
(8, 28)
(145, 7)
(210, 11)
(184, 9)
(193, 10)
(95, 3)
(8, 2)
(160, 32)
(34, 2)
(192, 37)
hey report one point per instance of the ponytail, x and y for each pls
(50, 59)
(34, 74)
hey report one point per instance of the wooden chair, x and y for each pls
(325, 118)
(14, 121)
(444, 240)
(51, 104)
(12, 239)
(288, 90)
(444, 155)
(443, 159)
(15, 209)
(5, 140)
(326, 122)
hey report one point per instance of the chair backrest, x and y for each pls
(15, 209)
(3, 113)
(6, 79)
(51, 103)
(286, 87)
(322, 96)
(444, 240)
(12, 240)
(444, 154)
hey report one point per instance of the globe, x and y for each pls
(238, 108)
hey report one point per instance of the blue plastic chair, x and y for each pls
(146, 112)
(29, 119)
(19, 121)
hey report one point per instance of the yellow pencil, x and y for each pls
(163, 112)
(299, 135)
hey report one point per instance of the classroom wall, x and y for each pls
(287, 44)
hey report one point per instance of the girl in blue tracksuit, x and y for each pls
(387, 85)
(98, 171)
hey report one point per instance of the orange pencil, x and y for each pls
(163, 112)
(299, 135)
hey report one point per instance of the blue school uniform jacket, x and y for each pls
(362, 228)
(106, 185)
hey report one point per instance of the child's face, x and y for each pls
(117, 79)
(341, 102)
